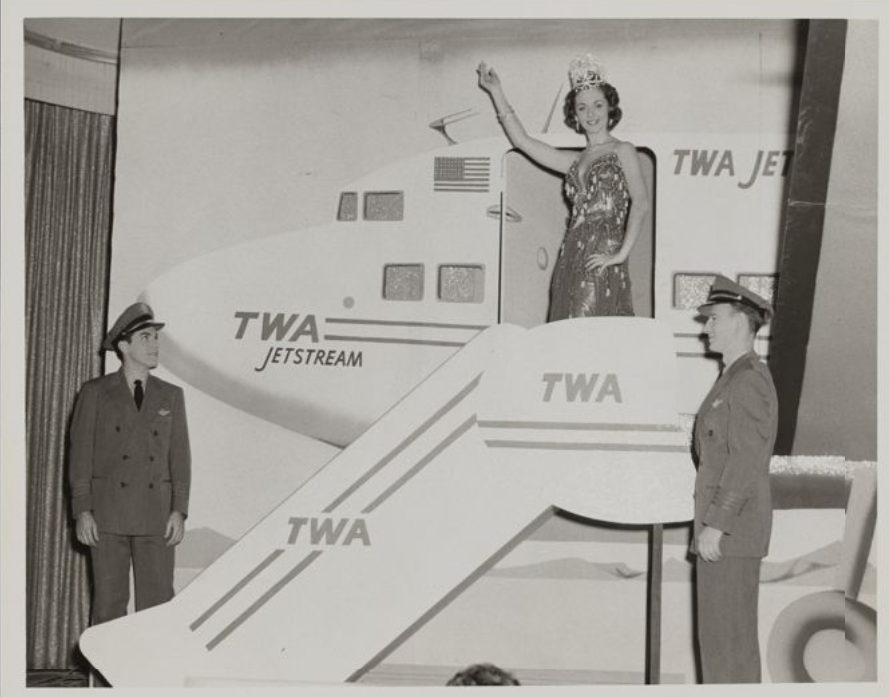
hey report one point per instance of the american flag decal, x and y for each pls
(462, 173)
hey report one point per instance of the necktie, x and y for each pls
(138, 393)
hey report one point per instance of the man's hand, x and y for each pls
(708, 544)
(175, 529)
(86, 529)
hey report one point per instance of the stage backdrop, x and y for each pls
(237, 131)
(234, 133)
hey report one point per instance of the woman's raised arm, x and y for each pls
(542, 153)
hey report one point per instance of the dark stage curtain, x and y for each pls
(69, 158)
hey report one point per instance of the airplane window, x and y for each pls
(403, 282)
(348, 209)
(461, 283)
(384, 205)
(762, 284)
(690, 289)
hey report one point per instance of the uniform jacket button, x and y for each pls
(126, 457)
(155, 433)
(151, 485)
(151, 458)
(117, 428)
(123, 484)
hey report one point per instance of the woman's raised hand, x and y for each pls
(487, 77)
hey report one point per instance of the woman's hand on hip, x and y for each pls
(600, 262)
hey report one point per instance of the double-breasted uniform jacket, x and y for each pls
(734, 437)
(130, 467)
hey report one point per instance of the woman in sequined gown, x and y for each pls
(606, 194)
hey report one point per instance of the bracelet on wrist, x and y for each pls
(505, 114)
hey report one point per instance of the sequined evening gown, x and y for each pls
(599, 208)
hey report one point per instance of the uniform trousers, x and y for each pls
(727, 614)
(152, 563)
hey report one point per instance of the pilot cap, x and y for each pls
(135, 317)
(725, 290)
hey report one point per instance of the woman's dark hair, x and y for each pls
(614, 110)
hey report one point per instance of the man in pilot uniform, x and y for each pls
(734, 436)
(130, 471)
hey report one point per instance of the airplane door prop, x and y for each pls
(532, 227)
(577, 415)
